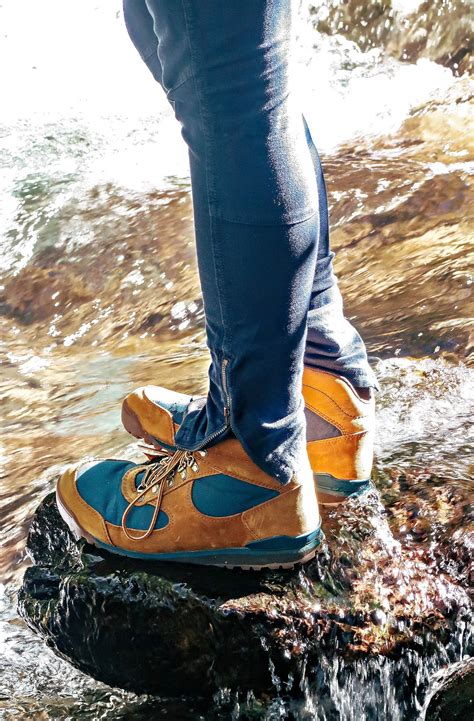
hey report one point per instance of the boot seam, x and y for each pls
(336, 439)
(318, 390)
(331, 420)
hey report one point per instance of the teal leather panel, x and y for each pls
(327, 483)
(100, 487)
(223, 495)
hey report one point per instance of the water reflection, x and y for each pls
(99, 293)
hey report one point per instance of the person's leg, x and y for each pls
(332, 344)
(225, 69)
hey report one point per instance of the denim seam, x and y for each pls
(149, 53)
(216, 258)
(207, 171)
(237, 220)
(179, 85)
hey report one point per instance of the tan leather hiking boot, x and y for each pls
(211, 507)
(340, 435)
(340, 429)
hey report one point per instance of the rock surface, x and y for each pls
(171, 630)
(454, 699)
(435, 29)
(404, 237)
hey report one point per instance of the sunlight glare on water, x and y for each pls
(81, 109)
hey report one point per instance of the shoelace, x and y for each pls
(156, 476)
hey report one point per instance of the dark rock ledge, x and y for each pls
(453, 699)
(172, 629)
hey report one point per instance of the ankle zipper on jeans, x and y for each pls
(224, 365)
(217, 433)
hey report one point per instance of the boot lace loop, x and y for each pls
(156, 477)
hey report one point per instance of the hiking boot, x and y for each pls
(210, 507)
(339, 435)
(340, 429)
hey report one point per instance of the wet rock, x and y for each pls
(31, 296)
(367, 23)
(454, 699)
(440, 31)
(437, 30)
(402, 231)
(175, 629)
(378, 617)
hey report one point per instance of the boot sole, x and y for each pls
(254, 557)
(332, 491)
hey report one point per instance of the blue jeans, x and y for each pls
(271, 300)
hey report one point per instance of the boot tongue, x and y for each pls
(167, 415)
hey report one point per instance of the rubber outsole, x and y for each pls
(243, 558)
(333, 491)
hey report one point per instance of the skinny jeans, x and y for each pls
(271, 298)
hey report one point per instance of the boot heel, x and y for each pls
(333, 491)
(341, 466)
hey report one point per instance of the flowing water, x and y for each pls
(99, 293)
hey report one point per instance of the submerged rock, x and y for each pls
(171, 629)
(454, 699)
(404, 237)
(435, 29)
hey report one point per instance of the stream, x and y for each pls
(99, 293)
